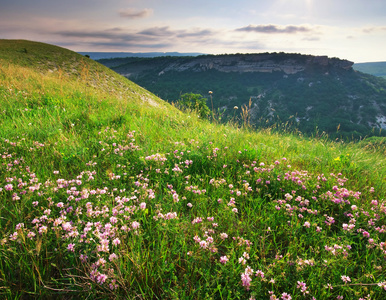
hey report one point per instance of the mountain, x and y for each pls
(104, 55)
(373, 68)
(310, 93)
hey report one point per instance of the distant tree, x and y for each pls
(194, 102)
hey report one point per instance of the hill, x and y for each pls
(112, 55)
(108, 192)
(373, 68)
(310, 93)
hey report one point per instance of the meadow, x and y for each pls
(108, 192)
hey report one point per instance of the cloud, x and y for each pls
(157, 31)
(109, 36)
(311, 39)
(269, 29)
(196, 33)
(132, 13)
(374, 29)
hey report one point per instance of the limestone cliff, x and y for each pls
(267, 62)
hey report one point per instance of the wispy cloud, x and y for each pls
(374, 29)
(157, 31)
(196, 33)
(132, 13)
(270, 29)
(311, 39)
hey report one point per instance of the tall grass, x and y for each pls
(107, 192)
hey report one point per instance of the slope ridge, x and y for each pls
(67, 66)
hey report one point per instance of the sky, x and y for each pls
(347, 29)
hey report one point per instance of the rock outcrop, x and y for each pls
(267, 62)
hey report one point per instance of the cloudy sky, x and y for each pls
(348, 29)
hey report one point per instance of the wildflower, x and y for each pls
(302, 286)
(210, 240)
(113, 256)
(196, 239)
(31, 235)
(71, 247)
(286, 296)
(260, 273)
(345, 278)
(19, 226)
(142, 205)
(203, 244)
(224, 259)
(43, 229)
(8, 187)
(307, 224)
(135, 225)
(223, 236)
(101, 278)
(242, 261)
(116, 241)
(382, 285)
(246, 280)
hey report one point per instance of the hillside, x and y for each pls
(373, 68)
(109, 55)
(108, 192)
(310, 93)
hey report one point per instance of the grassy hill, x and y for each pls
(108, 192)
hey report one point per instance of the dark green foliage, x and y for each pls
(194, 102)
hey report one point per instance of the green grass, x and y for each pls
(108, 192)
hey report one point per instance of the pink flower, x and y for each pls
(8, 187)
(345, 278)
(135, 225)
(246, 280)
(307, 224)
(71, 247)
(83, 258)
(286, 296)
(224, 259)
(116, 241)
(142, 205)
(113, 256)
(101, 278)
(203, 244)
(223, 236)
(260, 273)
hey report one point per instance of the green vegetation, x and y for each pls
(107, 192)
(194, 102)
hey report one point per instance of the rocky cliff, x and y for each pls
(267, 62)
